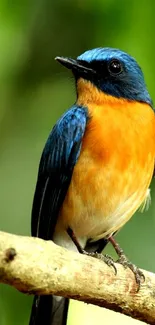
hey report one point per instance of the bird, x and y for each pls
(96, 166)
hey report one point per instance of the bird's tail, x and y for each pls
(49, 310)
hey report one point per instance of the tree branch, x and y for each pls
(35, 266)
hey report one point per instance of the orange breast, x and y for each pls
(111, 178)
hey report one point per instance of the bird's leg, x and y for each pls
(75, 241)
(107, 259)
(139, 276)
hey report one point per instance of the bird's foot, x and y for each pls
(105, 258)
(139, 276)
(122, 259)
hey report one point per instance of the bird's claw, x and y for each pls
(106, 258)
(110, 262)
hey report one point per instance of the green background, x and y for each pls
(35, 90)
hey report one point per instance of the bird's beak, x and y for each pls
(75, 65)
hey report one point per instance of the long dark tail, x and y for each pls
(49, 310)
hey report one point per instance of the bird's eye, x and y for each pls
(115, 67)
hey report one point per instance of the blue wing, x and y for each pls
(57, 162)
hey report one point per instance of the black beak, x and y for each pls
(75, 65)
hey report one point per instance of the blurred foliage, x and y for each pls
(35, 90)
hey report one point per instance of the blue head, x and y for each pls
(112, 71)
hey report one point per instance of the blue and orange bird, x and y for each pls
(97, 164)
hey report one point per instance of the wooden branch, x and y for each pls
(35, 266)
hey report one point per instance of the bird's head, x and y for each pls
(111, 71)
